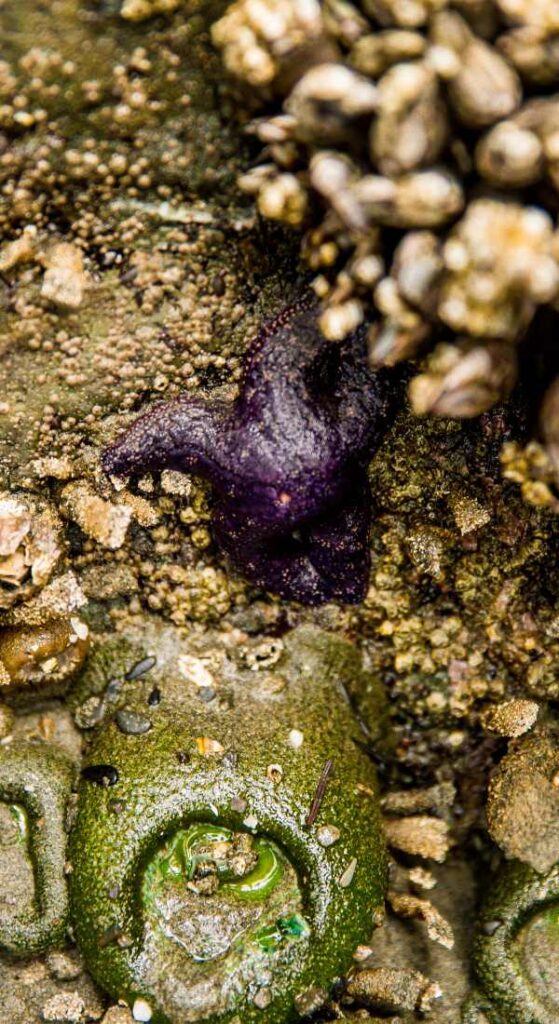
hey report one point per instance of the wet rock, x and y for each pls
(523, 803)
(101, 520)
(66, 1007)
(516, 951)
(415, 909)
(65, 966)
(510, 718)
(390, 990)
(420, 835)
(310, 1000)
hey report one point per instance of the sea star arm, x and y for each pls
(322, 562)
(270, 560)
(280, 366)
(183, 434)
(339, 547)
(362, 401)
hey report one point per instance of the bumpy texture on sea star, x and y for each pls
(287, 459)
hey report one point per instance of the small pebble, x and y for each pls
(378, 915)
(90, 713)
(295, 739)
(110, 935)
(263, 998)
(102, 774)
(346, 878)
(114, 686)
(65, 966)
(275, 773)
(310, 1000)
(238, 804)
(327, 835)
(209, 747)
(155, 697)
(117, 1015)
(511, 718)
(206, 693)
(66, 1006)
(81, 630)
(141, 1010)
(269, 685)
(362, 953)
(132, 723)
(422, 878)
(141, 668)
(490, 927)
(195, 671)
(65, 279)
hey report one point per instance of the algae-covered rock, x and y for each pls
(35, 784)
(200, 885)
(523, 802)
(516, 950)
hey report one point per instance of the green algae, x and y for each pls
(266, 875)
(20, 817)
(35, 782)
(190, 848)
(233, 921)
(270, 936)
(169, 791)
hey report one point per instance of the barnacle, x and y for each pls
(30, 546)
(422, 164)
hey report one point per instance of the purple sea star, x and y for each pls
(287, 460)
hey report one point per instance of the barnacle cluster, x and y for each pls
(416, 145)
